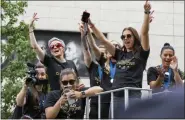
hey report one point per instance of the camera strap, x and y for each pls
(166, 83)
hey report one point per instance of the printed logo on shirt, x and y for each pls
(97, 80)
(70, 108)
(125, 64)
(57, 73)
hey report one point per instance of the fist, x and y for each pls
(147, 6)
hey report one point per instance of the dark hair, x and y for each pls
(45, 86)
(68, 71)
(137, 41)
(39, 65)
(167, 46)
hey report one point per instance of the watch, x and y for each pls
(147, 12)
(83, 94)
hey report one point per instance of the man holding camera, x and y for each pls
(31, 98)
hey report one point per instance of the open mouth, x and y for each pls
(56, 51)
(167, 61)
(127, 42)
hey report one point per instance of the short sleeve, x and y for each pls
(90, 67)
(118, 53)
(144, 54)
(151, 75)
(181, 74)
(102, 60)
(17, 114)
(46, 61)
(50, 100)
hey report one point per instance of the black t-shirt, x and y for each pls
(94, 78)
(152, 75)
(76, 110)
(54, 68)
(34, 108)
(17, 113)
(129, 70)
(105, 82)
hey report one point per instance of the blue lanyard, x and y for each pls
(42, 98)
(112, 70)
(100, 72)
(166, 84)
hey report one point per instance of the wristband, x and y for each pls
(147, 12)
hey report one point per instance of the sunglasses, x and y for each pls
(124, 36)
(71, 82)
(57, 45)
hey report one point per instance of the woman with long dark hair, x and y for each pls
(30, 99)
(167, 75)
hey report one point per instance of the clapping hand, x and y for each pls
(174, 63)
(161, 71)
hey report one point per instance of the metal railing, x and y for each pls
(126, 97)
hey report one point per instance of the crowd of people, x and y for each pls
(114, 66)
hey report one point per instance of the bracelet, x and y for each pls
(147, 12)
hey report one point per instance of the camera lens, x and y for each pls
(28, 80)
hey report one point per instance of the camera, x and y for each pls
(32, 76)
(32, 73)
(85, 16)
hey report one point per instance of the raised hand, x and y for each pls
(34, 18)
(160, 71)
(89, 21)
(151, 17)
(81, 28)
(147, 6)
(174, 63)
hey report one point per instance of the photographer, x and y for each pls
(166, 75)
(67, 103)
(54, 63)
(32, 95)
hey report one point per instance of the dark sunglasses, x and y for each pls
(57, 45)
(71, 82)
(124, 36)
